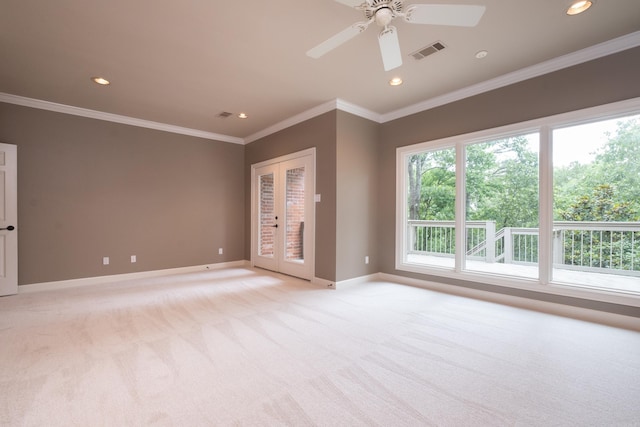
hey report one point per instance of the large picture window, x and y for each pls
(550, 205)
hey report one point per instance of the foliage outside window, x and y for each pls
(431, 207)
(501, 205)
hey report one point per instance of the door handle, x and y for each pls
(10, 228)
(274, 226)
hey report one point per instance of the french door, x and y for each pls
(283, 215)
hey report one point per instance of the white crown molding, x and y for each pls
(590, 53)
(594, 52)
(336, 104)
(357, 110)
(294, 120)
(99, 115)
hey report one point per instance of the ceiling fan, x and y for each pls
(382, 12)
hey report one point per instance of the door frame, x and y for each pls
(310, 223)
(9, 217)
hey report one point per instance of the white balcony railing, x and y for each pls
(612, 247)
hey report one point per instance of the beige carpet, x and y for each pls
(239, 347)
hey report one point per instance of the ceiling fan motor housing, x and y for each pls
(383, 11)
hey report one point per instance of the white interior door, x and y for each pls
(283, 216)
(8, 219)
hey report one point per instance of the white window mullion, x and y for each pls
(460, 207)
(545, 232)
(401, 209)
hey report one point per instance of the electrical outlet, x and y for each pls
(220, 251)
(366, 259)
(105, 260)
(133, 258)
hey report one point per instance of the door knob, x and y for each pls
(10, 228)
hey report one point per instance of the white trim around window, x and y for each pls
(544, 127)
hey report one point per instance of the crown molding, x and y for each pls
(294, 120)
(590, 53)
(594, 52)
(99, 115)
(336, 104)
(578, 57)
(357, 110)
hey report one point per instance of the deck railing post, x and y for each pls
(490, 239)
(411, 231)
(508, 245)
(558, 247)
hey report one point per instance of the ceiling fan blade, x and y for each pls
(335, 41)
(444, 14)
(390, 48)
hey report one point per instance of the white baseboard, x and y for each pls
(345, 284)
(63, 284)
(589, 315)
(323, 283)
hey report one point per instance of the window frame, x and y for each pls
(545, 127)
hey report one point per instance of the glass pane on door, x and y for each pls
(294, 238)
(267, 229)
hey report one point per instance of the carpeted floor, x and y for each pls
(240, 347)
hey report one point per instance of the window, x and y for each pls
(501, 206)
(596, 185)
(430, 220)
(551, 205)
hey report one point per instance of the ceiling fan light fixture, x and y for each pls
(396, 81)
(384, 16)
(579, 6)
(100, 80)
(242, 116)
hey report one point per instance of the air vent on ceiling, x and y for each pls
(426, 51)
(224, 115)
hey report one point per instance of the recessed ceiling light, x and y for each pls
(242, 116)
(100, 80)
(482, 54)
(579, 6)
(396, 81)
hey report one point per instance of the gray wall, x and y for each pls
(319, 132)
(89, 188)
(605, 80)
(357, 163)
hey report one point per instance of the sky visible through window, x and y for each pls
(580, 143)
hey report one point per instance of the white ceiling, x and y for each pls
(182, 63)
